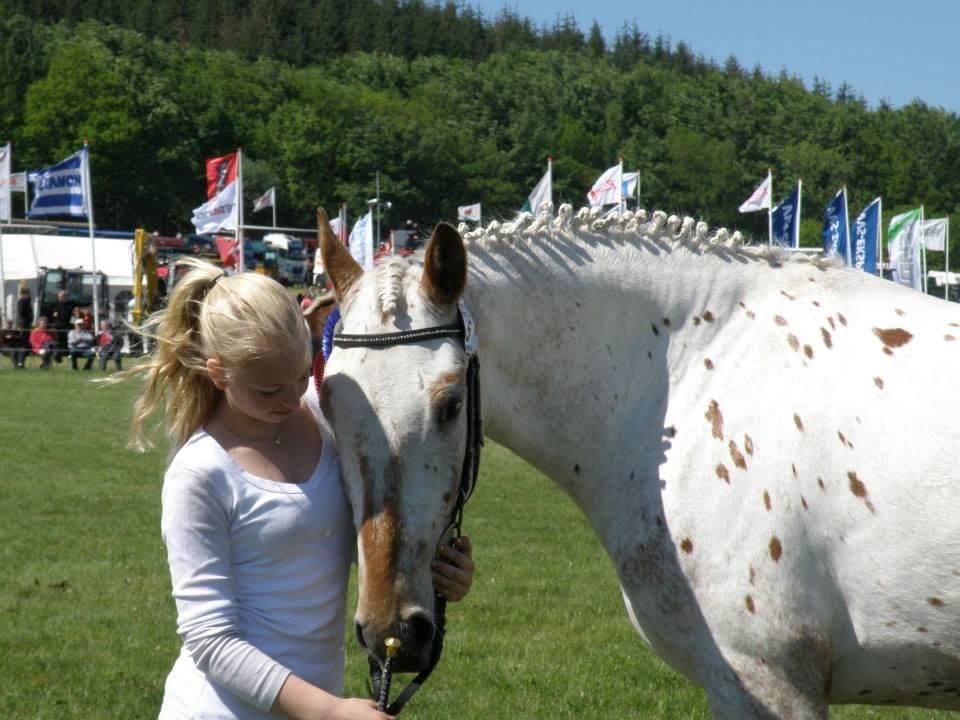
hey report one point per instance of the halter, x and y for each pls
(465, 330)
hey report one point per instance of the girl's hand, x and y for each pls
(453, 571)
(359, 709)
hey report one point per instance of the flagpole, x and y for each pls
(846, 225)
(273, 205)
(620, 189)
(88, 196)
(946, 264)
(9, 205)
(796, 226)
(638, 189)
(879, 240)
(241, 264)
(923, 252)
(770, 208)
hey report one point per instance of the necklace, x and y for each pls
(275, 439)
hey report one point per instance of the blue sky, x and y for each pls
(884, 49)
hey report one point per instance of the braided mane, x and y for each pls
(629, 224)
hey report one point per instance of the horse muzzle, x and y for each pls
(415, 631)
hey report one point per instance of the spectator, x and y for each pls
(62, 317)
(80, 344)
(11, 344)
(24, 319)
(109, 343)
(42, 342)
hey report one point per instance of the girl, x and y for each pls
(258, 532)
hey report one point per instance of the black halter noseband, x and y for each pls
(463, 330)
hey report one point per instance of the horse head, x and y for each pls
(397, 411)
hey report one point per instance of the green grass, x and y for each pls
(87, 622)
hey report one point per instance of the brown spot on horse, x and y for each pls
(687, 545)
(715, 418)
(748, 444)
(748, 601)
(935, 601)
(723, 473)
(860, 490)
(798, 422)
(787, 295)
(827, 339)
(737, 456)
(793, 342)
(878, 381)
(708, 316)
(708, 363)
(766, 501)
(808, 351)
(776, 549)
(779, 320)
(893, 337)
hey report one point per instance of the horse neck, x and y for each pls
(579, 340)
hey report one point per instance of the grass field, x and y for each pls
(87, 623)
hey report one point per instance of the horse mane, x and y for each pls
(593, 222)
(589, 226)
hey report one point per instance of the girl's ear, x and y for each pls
(218, 375)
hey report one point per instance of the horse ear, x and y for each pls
(444, 266)
(338, 262)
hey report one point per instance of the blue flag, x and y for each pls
(61, 190)
(835, 227)
(786, 221)
(866, 238)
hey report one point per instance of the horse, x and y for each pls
(760, 440)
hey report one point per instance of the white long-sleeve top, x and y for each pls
(259, 571)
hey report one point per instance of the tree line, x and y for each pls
(445, 123)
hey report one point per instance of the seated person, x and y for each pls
(11, 344)
(42, 342)
(109, 344)
(80, 344)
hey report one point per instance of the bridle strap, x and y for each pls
(402, 337)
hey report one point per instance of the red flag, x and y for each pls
(221, 171)
(227, 249)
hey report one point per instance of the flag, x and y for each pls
(631, 181)
(866, 238)
(835, 227)
(61, 189)
(608, 188)
(786, 220)
(935, 234)
(903, 245)
(361, 241)
(469, 212)
(6, 208)
(542, 193)
(268, 199)
(221, 171)
(760, 199)
(18, 182)
(220, 213)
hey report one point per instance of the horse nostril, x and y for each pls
(358, 631)
(421, 630)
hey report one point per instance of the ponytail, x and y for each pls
(237, 319)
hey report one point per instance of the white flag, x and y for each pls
(542, 193)
(631, 180)
(361, 241)
(469, 212)
(935, 234)
(760, 200)
(6, 209)
(904, 239)
(219, 213)
(18, 182)
(268, 199)
(608, 188)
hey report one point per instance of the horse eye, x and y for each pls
(449, 410)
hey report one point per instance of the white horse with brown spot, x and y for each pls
(763, 445)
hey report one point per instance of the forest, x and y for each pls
(448, 106)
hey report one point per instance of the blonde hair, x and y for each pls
(235, 318)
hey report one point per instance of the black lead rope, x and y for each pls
(468, 480)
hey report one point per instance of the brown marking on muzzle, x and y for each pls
(439, 386)
(379, 531)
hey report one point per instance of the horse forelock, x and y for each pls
(391, 282)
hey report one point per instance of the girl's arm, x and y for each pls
(300, 700)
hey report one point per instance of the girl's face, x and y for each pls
(268, 389)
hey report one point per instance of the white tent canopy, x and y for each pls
(24, 255)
